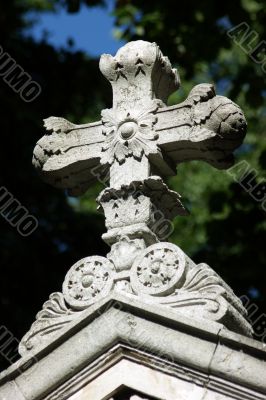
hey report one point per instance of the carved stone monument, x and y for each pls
(144, 322)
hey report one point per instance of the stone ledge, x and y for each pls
(203, 346)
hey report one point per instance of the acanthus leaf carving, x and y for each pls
(54, 316)
(129, 133)
(164, 275)
(58, 125)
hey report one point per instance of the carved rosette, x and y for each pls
(88, 280)
(162, 274)
(129, 133)
(158, 270)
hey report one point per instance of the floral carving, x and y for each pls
(158, 270)
(124, 252)
(54, 316)
(156, 273)
(204, 280)
(129, 133)
(58, 125)
(87, 280)
(167, 277)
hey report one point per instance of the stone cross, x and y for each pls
(137, 143)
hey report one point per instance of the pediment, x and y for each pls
(136, 345)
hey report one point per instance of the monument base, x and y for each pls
(122, 348)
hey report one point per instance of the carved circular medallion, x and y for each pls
(159, 270)
(87, 280)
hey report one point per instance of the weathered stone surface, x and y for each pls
(10, 391)
(161, 274)
(176, 348)
(137, 142)
(140, 125)
(146, 307)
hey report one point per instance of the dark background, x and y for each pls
(226, 227)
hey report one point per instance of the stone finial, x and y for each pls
(138, 142)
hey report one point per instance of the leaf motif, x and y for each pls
(201, 112)
(200, 278)
(108, 117)
(202, 92)
(147, 133)
(54, 316)
(148, 120)
(58, 125)
(115, 148)
(54, 307)
(108, 142)
(107, 156)
(136, 149)
(149, 147)
(120, 151)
